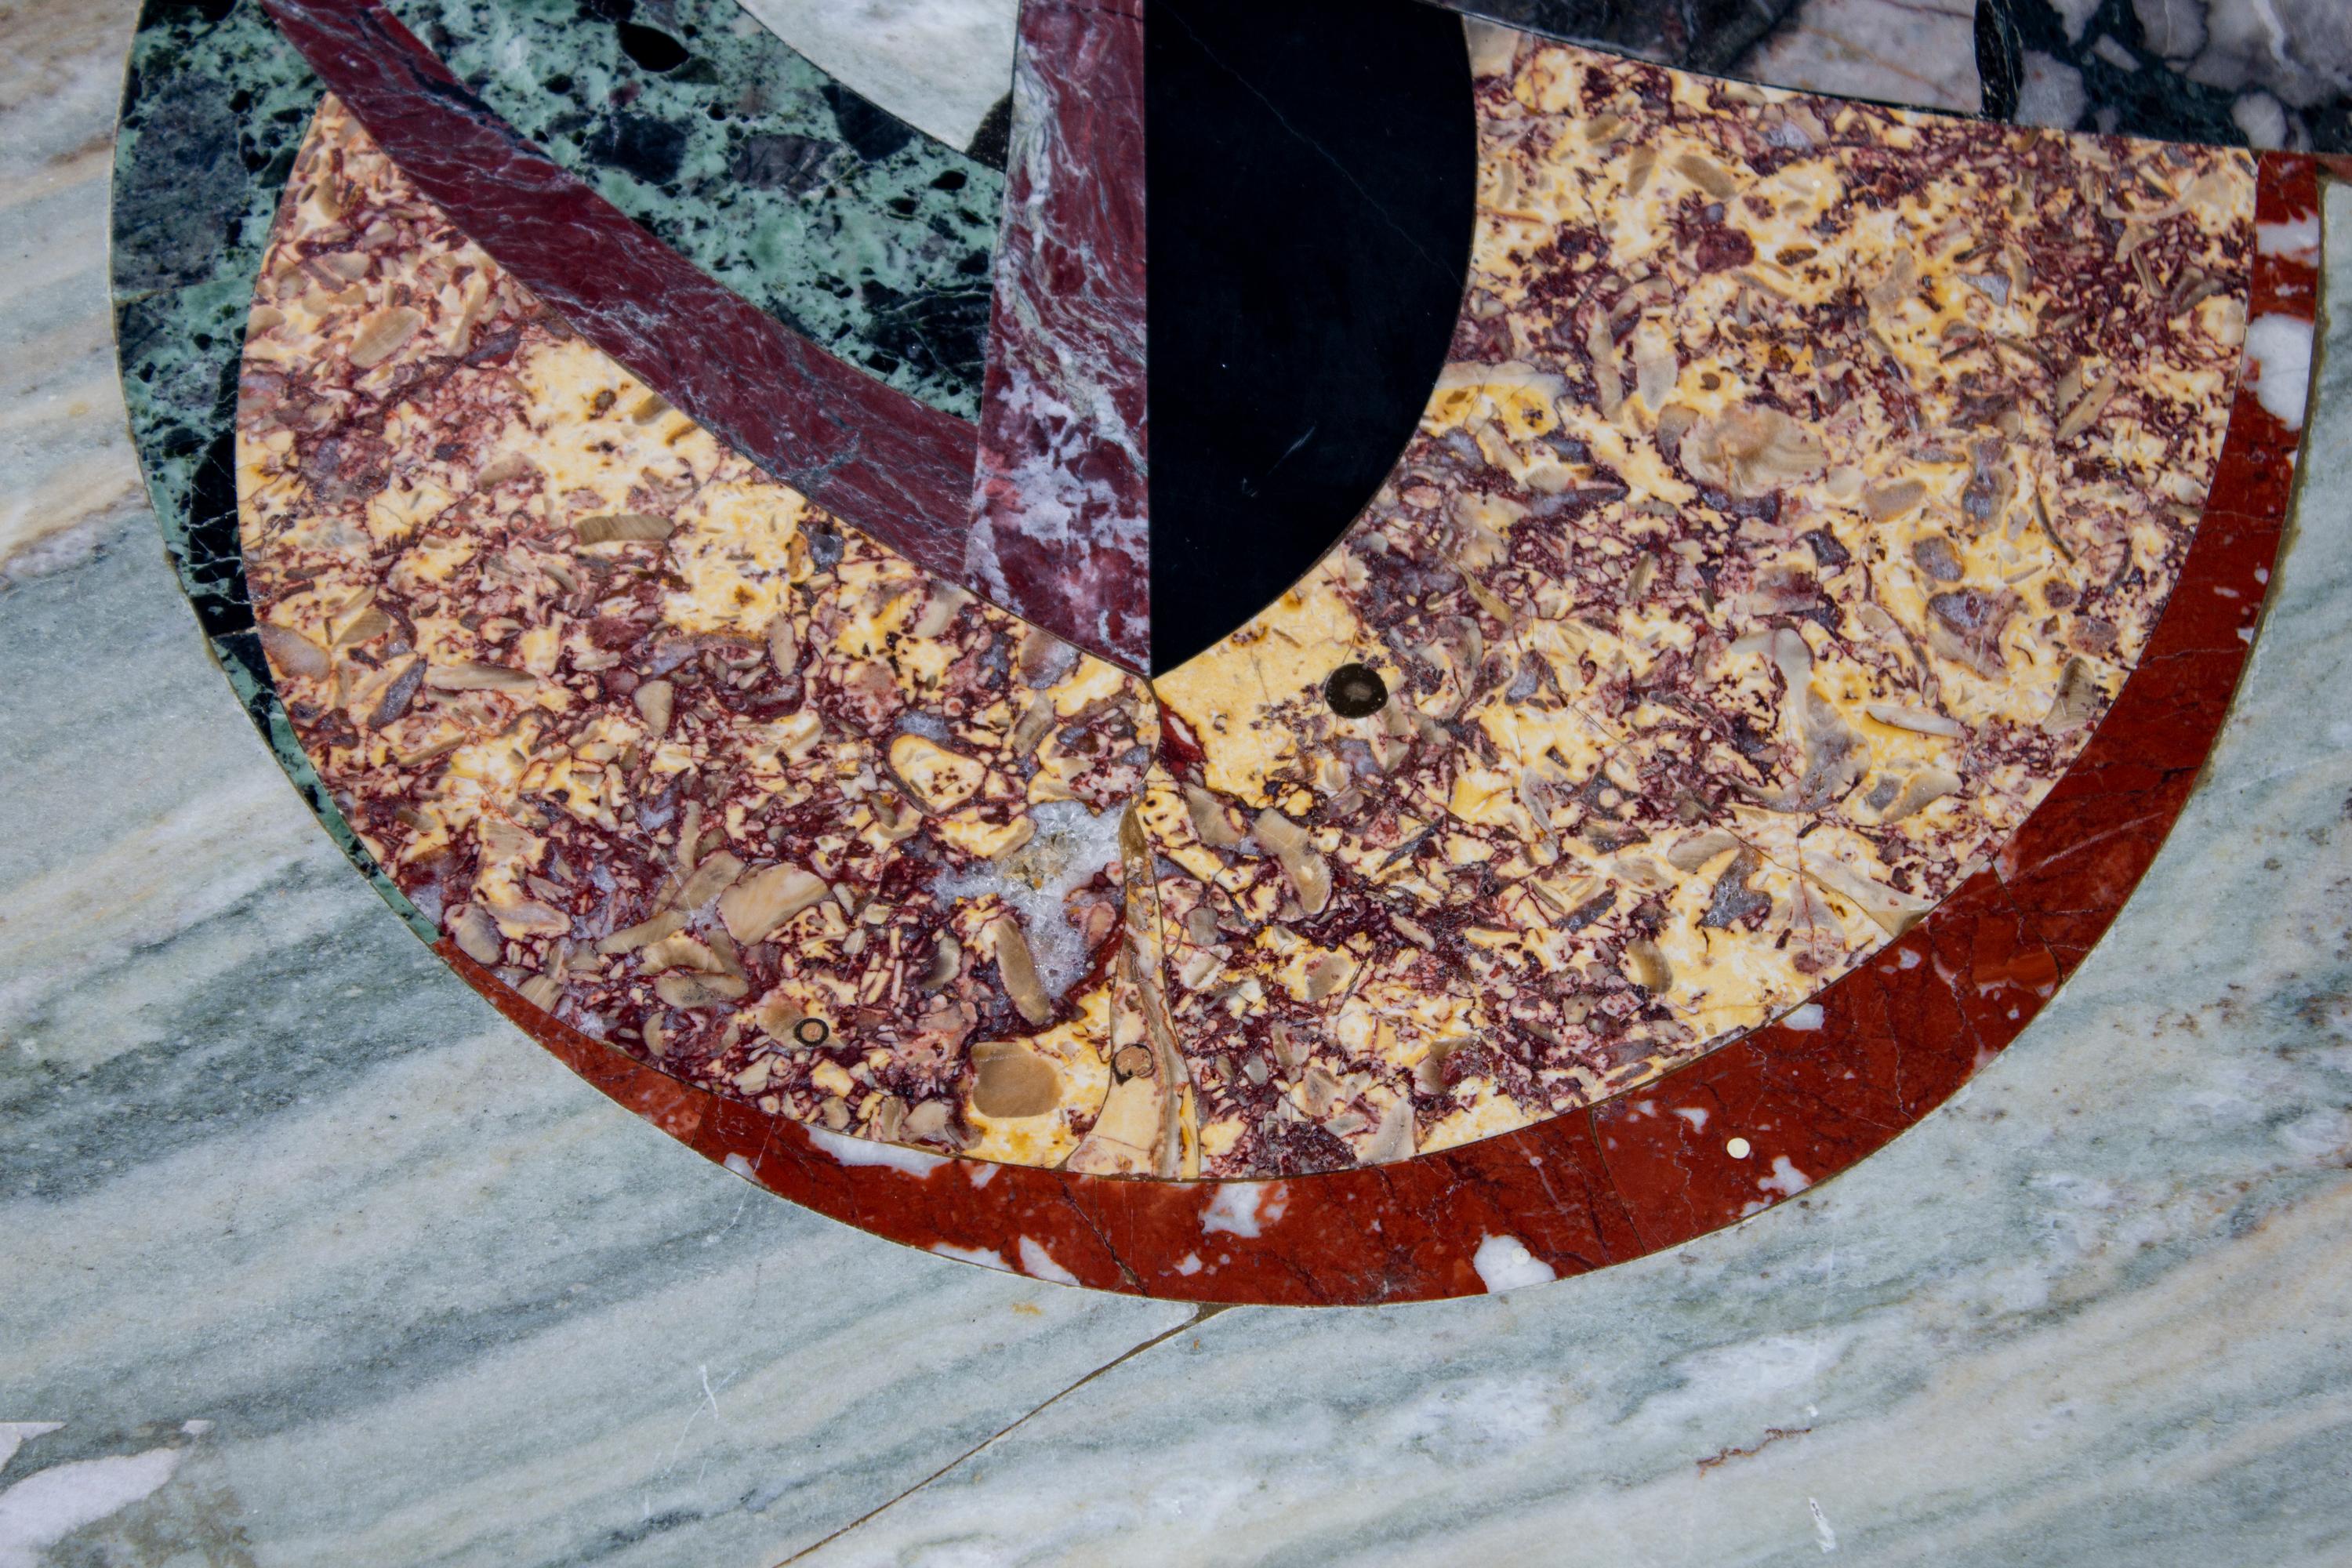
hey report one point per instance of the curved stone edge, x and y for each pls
(179, 326)
(1787, 1108)
(1393, 1012)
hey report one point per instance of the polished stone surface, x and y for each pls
(1835, 1087)
(2092, 1313)
(1058, 508)
(2262, 73)
(805, 202)
(829, 213)
(494, 399)
(877, 458)
(1312, 184)
(1438, 1046)
(295, 1296)
(1919, 52)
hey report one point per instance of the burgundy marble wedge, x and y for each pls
(1059, 530)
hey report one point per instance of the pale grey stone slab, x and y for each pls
(938, 64)
(305, 1256)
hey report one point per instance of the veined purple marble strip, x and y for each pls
(869, 455)
(1059, 531)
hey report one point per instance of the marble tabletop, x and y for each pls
(310, 1257)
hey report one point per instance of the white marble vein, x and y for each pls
(1918, 52)
(2301, 50)
(45, 1507)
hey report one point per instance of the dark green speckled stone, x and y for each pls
(842, 222)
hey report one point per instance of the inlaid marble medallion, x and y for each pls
(1818, 572)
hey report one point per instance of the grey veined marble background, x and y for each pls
(306, 1258)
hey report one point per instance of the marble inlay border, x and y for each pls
(1726, 1136)
(214, 106)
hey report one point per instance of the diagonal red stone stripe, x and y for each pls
(871, 456)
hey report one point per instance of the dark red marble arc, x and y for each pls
(1059, 530)
(1785, 1107)
(873, 457)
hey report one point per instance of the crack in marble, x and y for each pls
(1200, 1316)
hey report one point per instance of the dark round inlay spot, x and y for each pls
(812, 1032)
(1355, 692)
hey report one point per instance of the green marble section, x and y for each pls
(843, 223)
(215, 105)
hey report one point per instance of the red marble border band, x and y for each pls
(871, 456)
(1783, 1107)
(1711, 1143)
(1059, 533)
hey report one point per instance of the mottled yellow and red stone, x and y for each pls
(1808, 479)
(695, 769)
(1688, 719)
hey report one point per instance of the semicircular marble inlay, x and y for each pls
(1775, 564)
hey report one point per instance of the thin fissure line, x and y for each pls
(1200, 1316)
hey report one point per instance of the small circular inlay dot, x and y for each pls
(1737, 1148)
(1355, 692)
(812, 1032)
